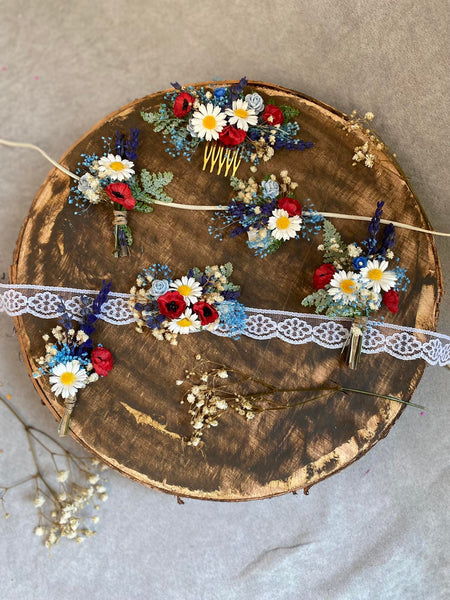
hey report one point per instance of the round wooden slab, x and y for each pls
(133, 419)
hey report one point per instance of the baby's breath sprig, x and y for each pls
(66, 498)
(366, 153)
(214, 389)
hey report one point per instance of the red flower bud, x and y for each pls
(273, 115)
(206, 312)
(231, 136)
(171, 304)
(183, 104)
(290, 205)
(121, 193)
(323, 275)
(102, 360)
(390, 300)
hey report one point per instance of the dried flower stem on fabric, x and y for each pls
(66, 497)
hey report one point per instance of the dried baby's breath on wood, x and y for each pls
(211, 390)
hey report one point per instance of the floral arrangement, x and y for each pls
(112, 179)
(196, 301)
(355, 280)
(267, 212)
(226, 114)
(71, 361)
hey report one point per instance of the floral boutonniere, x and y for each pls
(267, 212)
(198, 300)
(71, 361)
(229, 116)
(112, 179)
(357, 280)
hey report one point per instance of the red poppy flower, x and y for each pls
(323, 275)
(390, 300)
(171, 304)
(273, 115)
(206, 312)
(121, 193)
(232, 136)
(102, 360)
(183, 104)
(290, 205)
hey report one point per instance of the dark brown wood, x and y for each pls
(132, 419)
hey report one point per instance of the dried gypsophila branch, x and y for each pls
(367, 152)
(63, 500)
(214, 390)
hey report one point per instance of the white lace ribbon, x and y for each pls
(404, 343)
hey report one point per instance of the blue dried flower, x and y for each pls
(270, 188)
(255, 102)
(219, 93)
(359, 262)
(159, 287)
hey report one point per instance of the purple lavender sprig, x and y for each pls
(91, 315)
(125, 146)
(388, 241)
(237, 90)
(374, 228)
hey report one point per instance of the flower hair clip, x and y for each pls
(267, 212)
(198, 300)
(71, 361)
(356, 280)
(231, 124)
(112, 179)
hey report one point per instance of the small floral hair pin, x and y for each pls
(356, 281)
(71, 361)
(267, 212)
(112, 178)
(235, 125)
(198, 300)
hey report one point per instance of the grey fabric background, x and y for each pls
(380, 528)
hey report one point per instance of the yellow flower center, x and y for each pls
(184, 290)
(209, 122)
(184, 322)
(347, 286)
(117, 166)
(67, 378)
(241, 113)
(283, 222)
(375, 274)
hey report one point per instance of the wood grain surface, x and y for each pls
(132, 419)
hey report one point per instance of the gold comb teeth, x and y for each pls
(217, 155)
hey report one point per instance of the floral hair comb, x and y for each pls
(230, 124)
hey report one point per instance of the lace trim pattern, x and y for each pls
(404, 343)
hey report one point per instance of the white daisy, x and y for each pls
(241, 115)
(188, 287)
(283, 226)
(115, 167)
(344, 286)
(208, 121)
(68, 378)
(375, 276)
(186, 323)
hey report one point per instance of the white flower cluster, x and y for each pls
(67, 516)
(210, 398)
